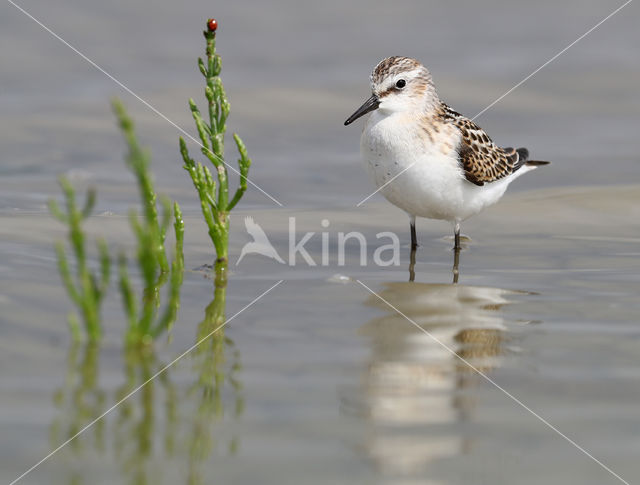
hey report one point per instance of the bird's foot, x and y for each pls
(464, 240)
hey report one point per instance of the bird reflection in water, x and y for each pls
(414, 392)
(455, 270)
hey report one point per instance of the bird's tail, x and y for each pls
(523, 159)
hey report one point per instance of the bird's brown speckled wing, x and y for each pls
(481, 159)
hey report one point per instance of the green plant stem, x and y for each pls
(146, 322)
(177, 272)
(215, 201)
(85, 289)
(138, 160)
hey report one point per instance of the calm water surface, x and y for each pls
(321, 381)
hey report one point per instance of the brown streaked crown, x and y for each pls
(394, 65)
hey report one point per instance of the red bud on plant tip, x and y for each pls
(212, 25)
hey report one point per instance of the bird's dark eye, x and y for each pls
(401, 83)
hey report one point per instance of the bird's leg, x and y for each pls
(412, 264)
(414, 246)
(414, 238)
(456, 263)
(456, 252)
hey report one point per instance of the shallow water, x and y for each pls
(321, 381)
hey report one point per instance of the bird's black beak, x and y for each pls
(369, 105)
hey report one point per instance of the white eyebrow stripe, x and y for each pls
(412, 73)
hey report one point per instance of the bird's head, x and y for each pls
(398, 84)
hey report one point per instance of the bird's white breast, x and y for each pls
(433, 183)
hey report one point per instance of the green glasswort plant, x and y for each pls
(145, 323)
(214, 196)
(86, 289)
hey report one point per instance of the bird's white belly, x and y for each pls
(430, 182)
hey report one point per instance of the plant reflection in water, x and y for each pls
(217, 366)
(80, 400)
(165, 420)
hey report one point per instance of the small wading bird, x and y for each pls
(453, 168)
